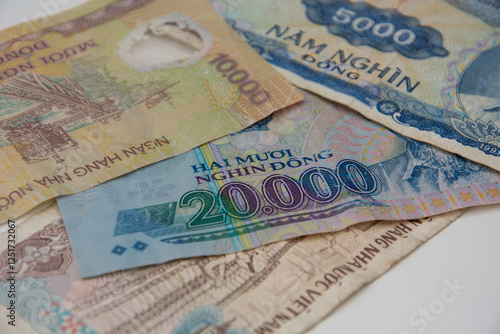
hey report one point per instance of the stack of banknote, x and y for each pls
(233, 166)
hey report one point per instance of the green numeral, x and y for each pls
(205, 216)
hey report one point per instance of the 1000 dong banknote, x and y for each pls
(427, 69)
(310, 168)
(111, 86)
(285, 287)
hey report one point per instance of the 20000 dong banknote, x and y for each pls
(310, 168)
(111, 86)
(428, 69)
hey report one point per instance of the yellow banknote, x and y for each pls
(111, 86)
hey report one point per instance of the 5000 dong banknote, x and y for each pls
(111, 86)
(310, 168)
(285, 287)
(427, 69)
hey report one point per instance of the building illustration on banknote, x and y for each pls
(36, 140)
(160, 95)
(37, 137)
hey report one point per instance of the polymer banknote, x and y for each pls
(313, 167)
(285, 287)
(111, 86)
(426, 69)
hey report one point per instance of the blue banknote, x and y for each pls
(426, 69)
(313, 167)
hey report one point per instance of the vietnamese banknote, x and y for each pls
(285, 287)
(310, 168)
(428, 69)
(111, 86)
